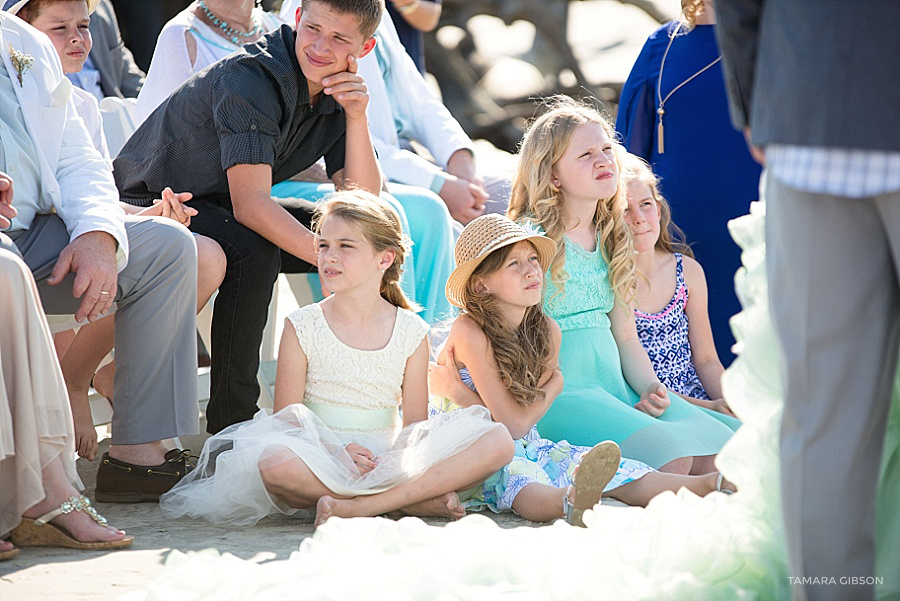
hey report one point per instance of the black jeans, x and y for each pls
(241, 307)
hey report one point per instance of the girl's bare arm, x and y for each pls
(703, 348)
(290, 377)
(473, 349)
(415, 385)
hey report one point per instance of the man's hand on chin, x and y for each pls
(92, 256)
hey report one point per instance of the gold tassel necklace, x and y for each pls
(661, 148)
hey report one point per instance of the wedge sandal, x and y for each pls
(41, 533)
(598, 466)
(8, 554)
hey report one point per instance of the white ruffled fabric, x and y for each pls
(226, 487)
(679, 547)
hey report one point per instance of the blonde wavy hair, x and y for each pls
(535, 198)
(671, 237)
(381, 226)
(690, 9)
(522, 354)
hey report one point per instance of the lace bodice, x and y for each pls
(340, 377)
(587, 295)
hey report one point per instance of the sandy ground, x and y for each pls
(608, 37)
(59, 574)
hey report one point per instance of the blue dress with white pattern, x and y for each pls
(536, 460)
(664, 336)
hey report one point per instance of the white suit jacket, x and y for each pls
(429, 122)
(76, 182)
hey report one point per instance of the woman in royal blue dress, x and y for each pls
(673, 113)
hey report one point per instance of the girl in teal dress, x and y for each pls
(502, 353)
(568, 184)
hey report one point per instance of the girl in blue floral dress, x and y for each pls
(672, 321)
(502, 353)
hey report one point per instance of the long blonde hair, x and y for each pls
(522, 354)
(381, 226)
(671, 237)
(534, 197)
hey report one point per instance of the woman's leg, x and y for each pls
(462, 471)
(79, 524)
(432, 233)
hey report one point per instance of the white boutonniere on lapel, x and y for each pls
(21, 62)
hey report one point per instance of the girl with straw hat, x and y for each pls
(503, 353)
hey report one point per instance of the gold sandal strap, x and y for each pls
(73, 503)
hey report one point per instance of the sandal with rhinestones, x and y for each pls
(41, 533)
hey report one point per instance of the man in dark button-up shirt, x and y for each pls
(253, 119)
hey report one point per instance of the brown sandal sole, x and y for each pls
(7, 555)
(28, 534)
(598, 466)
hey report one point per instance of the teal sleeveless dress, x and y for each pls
(597, 403)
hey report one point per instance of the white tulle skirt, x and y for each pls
(226, 486)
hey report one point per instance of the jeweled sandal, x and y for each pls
(598, 466)
(41, 533)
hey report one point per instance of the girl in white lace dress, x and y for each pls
(337, 442)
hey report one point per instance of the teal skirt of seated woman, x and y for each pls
(596, 403)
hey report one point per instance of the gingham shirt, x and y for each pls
(848, 172)
(249, 108)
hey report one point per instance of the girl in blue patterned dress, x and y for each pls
(503, 352)
(568, 184)
(672, 322)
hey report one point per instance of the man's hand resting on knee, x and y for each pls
(92, 256)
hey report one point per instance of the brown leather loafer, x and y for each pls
(121, 482)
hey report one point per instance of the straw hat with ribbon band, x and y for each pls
(13, 6)
(483, 236)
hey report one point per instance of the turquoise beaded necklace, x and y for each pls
(228, 31)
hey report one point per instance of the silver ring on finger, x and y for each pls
(104, 292)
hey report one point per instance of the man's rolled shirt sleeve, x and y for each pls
(248, 133)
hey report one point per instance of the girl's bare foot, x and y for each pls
(329, 506)
(444, 506)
